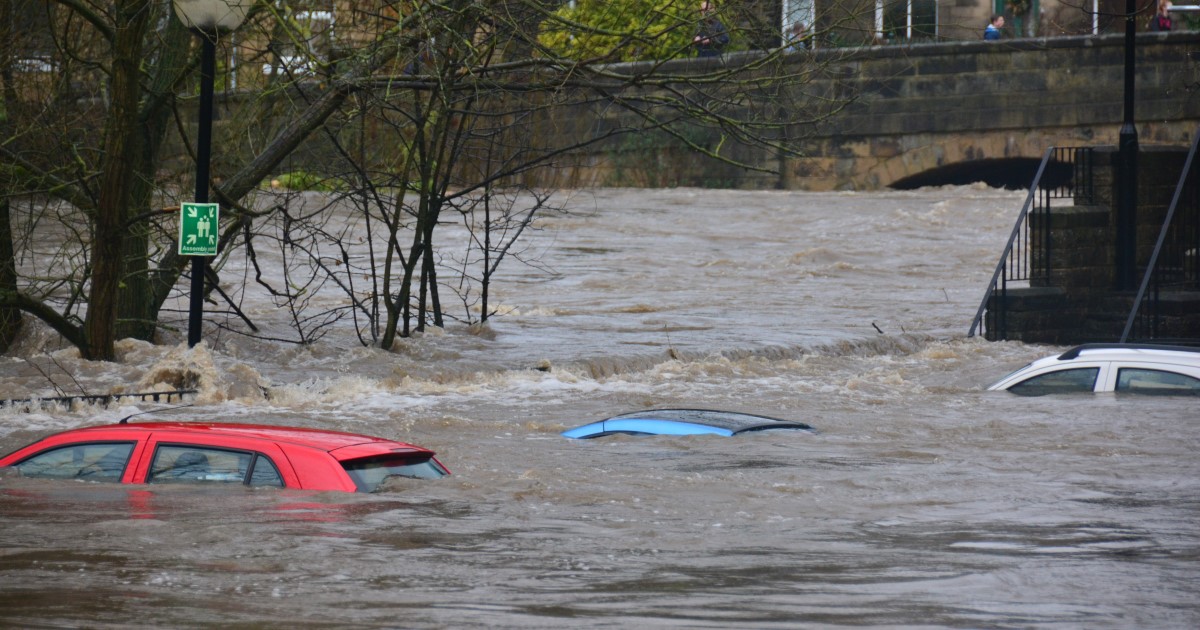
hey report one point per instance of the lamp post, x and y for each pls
(208, 19)
(1127, 154)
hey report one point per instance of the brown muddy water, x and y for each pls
(922, 500)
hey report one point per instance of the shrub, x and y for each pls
(621, 30)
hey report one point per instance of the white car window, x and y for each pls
(1058, 382)
(1145, 381)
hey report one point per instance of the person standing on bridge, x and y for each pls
(992, 32)
(1161, 20)
(711, 36)
(798, 38)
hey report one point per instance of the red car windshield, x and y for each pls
(369, 473)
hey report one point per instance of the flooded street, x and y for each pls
(921, 500)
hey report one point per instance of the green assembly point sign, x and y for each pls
(198, 229)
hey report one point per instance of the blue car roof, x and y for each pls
(682, 422)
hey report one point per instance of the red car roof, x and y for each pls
(313, 438)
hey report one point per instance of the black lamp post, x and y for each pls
(1127, 154)
(208, 19)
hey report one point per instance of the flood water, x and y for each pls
(922, 500)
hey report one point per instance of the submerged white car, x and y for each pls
(1098, 367)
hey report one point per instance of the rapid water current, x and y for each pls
(921, 501)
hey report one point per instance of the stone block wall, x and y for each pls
(1078, 249)
(915, 108)
(924, 106)
(1055, 316)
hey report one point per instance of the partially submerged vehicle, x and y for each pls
(1108, 367)
(684, 422)
(219, 453)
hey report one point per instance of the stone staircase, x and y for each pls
(1070, 297)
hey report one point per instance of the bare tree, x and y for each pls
(424, 114)
(124, 63)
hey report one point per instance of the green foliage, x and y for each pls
(650, 160)
(303, 180)
(621, 30)
(636, 163)
(1019, 7)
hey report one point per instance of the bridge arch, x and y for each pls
(1010, 173)
(936, 112)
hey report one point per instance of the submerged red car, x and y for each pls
(211, 452)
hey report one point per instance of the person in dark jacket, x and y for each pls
(1161, 20)
(711, 36)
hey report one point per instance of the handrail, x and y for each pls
(1162, 237)
(1079, 185)
(1016, 231)
(103, 399)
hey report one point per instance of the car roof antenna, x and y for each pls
(125, 420)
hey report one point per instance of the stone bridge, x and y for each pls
(962, 112)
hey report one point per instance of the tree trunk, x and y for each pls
(137, 308)
(10, 317)
(430, 275)
(398, 309)
(121, 145)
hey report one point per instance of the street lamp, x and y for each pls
(208, 19)
(1127, 155)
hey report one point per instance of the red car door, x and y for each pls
(162, 451)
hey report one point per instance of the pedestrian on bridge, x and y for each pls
(992, 32)
(711, 36)
(1161, 20)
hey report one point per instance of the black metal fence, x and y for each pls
(1174, 264)
(1064, 173)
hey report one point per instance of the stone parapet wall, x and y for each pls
(916, 108)
(926, 106)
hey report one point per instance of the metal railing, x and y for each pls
(97, 399)
(1064, 173)
(1174, 265)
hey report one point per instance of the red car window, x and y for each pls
(190, 463)
(369, 473)
(264, 473)
(94, 461)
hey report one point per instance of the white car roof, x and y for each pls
(1185, 355)
(1095, 353)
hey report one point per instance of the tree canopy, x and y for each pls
(621, 30)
